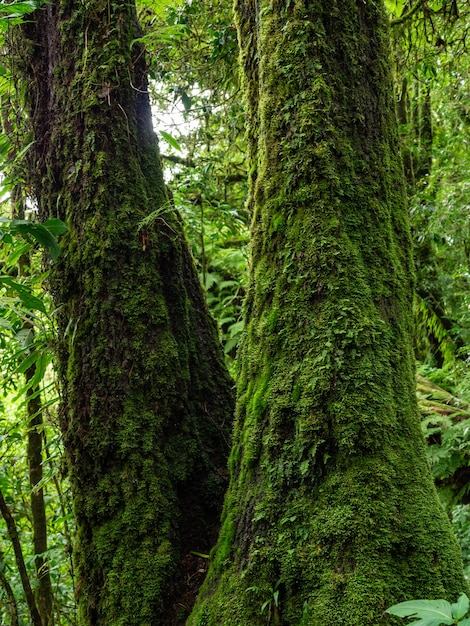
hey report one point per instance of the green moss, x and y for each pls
(147, 401)
(330, 499)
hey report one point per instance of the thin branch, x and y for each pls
(406, 16)
(186, 161)
(11, 598)
(240, 177)
(14, 538)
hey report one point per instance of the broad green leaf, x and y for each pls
(5, 147)
(28, 362)
(56, 226)
(41, 366)
(230, 345)
(24, 337)
(24, 294)
(171, 140)
(236, 328)
(40, 233)
(460, 608)
(265, 604)
(464, 622)
(435, 611)
(18, 8)
(16, 253)
(158, 7)
(31, 302)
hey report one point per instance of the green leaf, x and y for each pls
(31, 302)
(200, 554)
(428, 622)
(460, 608)
(5, 147)
(16, 253)
(56, 226)
(230, 345)
(171, 140)
(395, 7)
(20, 8)
(187, 101)
(24, 294)
(5, 324)
(265, 604)
(27, 362)
(464, 622)
(430, 612)
(39, 232)
(41, 366)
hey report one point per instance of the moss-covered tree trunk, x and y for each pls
(331, 514)
(146, 399)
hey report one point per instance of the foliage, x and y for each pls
(433, 612)
(431, 74)
(196, 93)
(15, 487)
(25, 344)
(460, 517)
(217, 232)
(446, 426)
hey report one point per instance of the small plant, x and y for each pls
(433, 612)
(271, 604)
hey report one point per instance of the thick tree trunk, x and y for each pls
(331, 514)
(147, 401)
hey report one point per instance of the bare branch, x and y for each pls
(187, 162)
(406, 16)
(14, 538)
(11, 598)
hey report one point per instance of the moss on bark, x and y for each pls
(147, 401)
(331, 515)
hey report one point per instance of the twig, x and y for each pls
(13, 533)
(406, 16)
(11, 598)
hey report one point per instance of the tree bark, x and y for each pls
(15, 541)
(11, 599)
(44, 594)
(331, 514)
(147, 401)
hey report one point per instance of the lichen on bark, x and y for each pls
(146, 400)
(331, 515)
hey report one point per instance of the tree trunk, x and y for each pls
(44, 593)
(20, 563)
(147, 401)
(11, 599)
(331, 514)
